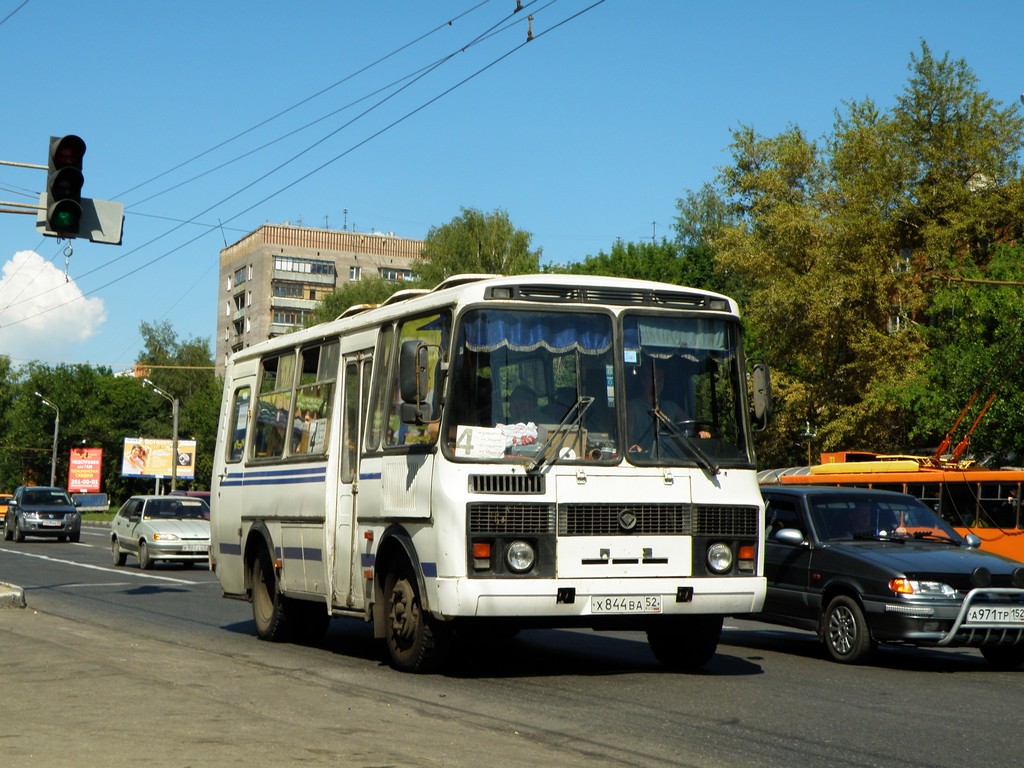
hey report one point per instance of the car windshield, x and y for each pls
(177, 509)
(837, 518)
(42, 498)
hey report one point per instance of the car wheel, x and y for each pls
(145, 562)
(685, 643)
(19, 535)
(1003, 656)
(8, 529)
(119, 557)
(846, 631)
(416, 641)
(75, 537)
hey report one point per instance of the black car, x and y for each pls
(860, 567)
(42, 511)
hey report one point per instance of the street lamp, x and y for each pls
(809, 434)
(174, 438)
(56, 430)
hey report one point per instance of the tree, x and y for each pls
(836, 245)
(372, 290)
(476, 242)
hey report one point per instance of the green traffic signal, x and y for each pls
(64, 185)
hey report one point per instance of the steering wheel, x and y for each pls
(693, 427)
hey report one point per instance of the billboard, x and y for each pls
(85, 470)
(151, 457)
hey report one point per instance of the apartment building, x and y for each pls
(272, 278)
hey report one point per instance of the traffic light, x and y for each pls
(64, 185)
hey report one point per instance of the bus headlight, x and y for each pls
(520, 556)
(719, 557)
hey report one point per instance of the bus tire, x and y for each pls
(685, 643)
(1004, 657)
(845, 631)
(416, 641)
(269, 607)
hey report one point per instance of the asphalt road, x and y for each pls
(112, 665)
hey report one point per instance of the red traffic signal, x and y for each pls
(64, 185)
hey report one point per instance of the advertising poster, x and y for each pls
(151, 457)
(85, 470)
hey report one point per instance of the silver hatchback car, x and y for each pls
(172, 528)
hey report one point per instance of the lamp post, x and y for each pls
(56, 431)
(809, 434)
(174, 438)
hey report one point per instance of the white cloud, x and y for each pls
(43, 315)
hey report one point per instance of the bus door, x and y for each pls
(341, 528)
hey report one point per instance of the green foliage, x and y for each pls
(476, 243)
(839, 247)
(98, 409)
(373, 290)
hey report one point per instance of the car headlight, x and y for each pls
(520, 556)
(921, 588)
(719, 557)
(165, 537)
(33, 516)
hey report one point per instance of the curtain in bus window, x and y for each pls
(668, 336)
(490, 330)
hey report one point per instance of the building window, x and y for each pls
(309, 266)
(353, 273)
(395, 275)
(240, 301)
(240, 275)
(290, 316)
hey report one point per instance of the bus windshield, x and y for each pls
(524, 380)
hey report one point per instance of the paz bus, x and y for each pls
(371, 467)
(973, 499)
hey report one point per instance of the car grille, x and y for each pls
(608, 519)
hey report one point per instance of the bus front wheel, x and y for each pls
(268, 605)
(416, 641)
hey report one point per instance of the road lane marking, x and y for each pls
(105, 569)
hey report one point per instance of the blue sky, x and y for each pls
(208, 119)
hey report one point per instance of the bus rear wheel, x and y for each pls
(416, 641)
(685, 643)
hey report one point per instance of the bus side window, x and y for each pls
(239, 423)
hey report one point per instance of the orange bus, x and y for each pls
(985, 502)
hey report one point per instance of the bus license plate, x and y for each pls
(995, 615)
(630, 604)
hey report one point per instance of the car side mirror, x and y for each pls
(790, 536)
(973, 542)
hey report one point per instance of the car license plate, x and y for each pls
(625, 604)
(988, 614)
(194, 548)
(52, 523)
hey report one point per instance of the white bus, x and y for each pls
(376, 466)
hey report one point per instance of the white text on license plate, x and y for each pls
(987, 614)
(194, 548)
(628, 604)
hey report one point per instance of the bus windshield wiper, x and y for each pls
(705, 461)
(568, 424)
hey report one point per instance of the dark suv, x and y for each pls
(42, 511)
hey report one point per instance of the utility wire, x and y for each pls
(308, 174)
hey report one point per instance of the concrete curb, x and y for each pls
(11, 596)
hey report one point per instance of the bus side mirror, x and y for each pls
(762, 396)
(413, 380)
